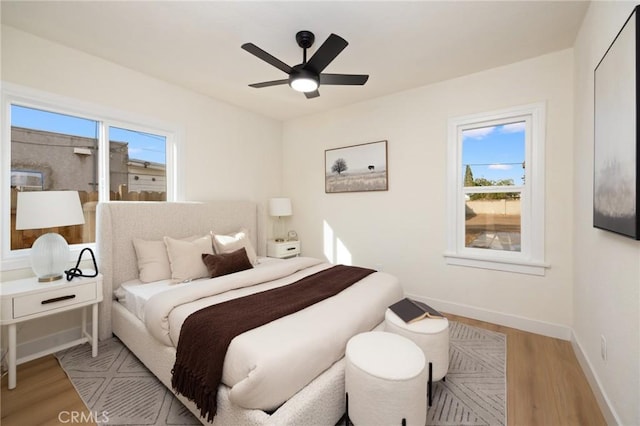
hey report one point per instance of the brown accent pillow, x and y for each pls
(226, 263)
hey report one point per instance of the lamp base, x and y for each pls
(49, 256)
(278, 230)
(50, 278)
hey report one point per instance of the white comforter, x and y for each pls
(266, 366)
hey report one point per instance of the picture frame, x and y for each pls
(616, 175)
(356, 168)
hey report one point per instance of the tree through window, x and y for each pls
(493, 158)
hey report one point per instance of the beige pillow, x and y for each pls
(233, 242)
(153, 262)
(185, 258)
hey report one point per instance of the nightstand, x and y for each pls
(27, 299)
(283, 249)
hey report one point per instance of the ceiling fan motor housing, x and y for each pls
(299, 74)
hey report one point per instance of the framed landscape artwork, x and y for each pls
(356, 168)
(616, 141)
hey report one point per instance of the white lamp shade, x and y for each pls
(280, 207)
(48, 209)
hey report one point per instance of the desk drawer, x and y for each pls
(42, 302)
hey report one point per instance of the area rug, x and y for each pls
(118, 384)
(119, 390)
(475, 389)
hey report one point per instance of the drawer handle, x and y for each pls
(58, 299)
(291, 248)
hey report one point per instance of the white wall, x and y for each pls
(606, 266)
(402, 230)
(228, 152)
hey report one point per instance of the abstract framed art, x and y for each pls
(616, 177)
(356, 168)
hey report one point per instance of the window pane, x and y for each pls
(51, 151)
(138, 165)
(492, 223)
(494, 155)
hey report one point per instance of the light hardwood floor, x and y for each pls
(545, 386)
(44, 396)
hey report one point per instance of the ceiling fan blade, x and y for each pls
(326, 53)
(311, 95)
(269, 83)
(344, 79)
(268, 58)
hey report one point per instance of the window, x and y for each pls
(137, 165)
(496, 190)
(57, 144)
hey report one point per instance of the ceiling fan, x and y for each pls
(308, 76)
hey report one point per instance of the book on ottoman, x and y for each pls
(411, 310)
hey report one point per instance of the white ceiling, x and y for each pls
(401, 45)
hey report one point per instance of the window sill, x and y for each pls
(506, 265)
(21, 259)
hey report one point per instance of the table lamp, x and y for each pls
(48, 209)
(279, 207)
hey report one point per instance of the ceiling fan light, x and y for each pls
(304, 84)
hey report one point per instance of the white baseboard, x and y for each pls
(603, 401)
(527, 324)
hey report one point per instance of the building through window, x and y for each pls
(51, 148)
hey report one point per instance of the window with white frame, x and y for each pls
(58, 144)
(496, 190)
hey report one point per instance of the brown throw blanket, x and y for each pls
(206, 334)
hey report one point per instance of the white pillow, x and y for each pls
(233, 242)
(153, 262)
(185, 258)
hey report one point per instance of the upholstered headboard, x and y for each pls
(119, 222)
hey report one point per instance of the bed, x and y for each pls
(306, 391)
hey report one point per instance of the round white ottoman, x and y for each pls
(431, 335)
(385, 380)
